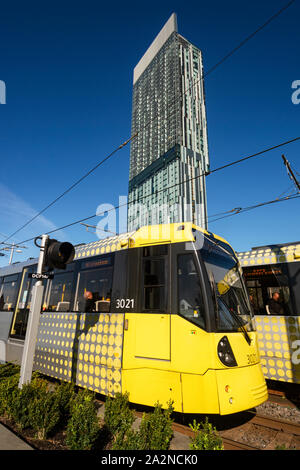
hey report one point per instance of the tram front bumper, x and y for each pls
(240, 388)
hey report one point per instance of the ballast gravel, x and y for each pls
(288, 413)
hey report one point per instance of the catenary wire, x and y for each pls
(242, 43)
(221, 61)
(176, 184)
(169, 187)
(69, 189)
(239, 210)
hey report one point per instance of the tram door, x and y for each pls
(153, 327)
(20, 319)
(147, 334)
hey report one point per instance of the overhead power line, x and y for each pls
(240, 160)
(70, 188)
(291, 173)
(169, 187)
(220, 62)
(254, 155)
(241, 44)
(230, 213)
(240, 210)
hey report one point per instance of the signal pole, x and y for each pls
(53, 254)
(291, 173)
(33, 321)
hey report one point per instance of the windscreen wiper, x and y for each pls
(240, 322)
(232, 255)
(214, 296)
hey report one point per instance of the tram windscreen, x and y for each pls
(229, 292)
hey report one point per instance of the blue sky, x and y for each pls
(68, 71)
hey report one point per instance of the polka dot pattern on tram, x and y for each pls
(83, 348)
(267, 255)
(100, 247)
(279, 347)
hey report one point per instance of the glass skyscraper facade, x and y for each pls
(170, 151)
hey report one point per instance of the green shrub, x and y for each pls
(130, 440)
(22, 398)
(118, 417)
(281, 447)
(8, 369)
(14, 401)
(83, 427)
(205, 439)
(44, 413)
(8, 386)
(65, 395)
(155, 431)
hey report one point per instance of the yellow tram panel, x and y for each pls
(191, 347)
(145, 385)
(240, 388)
(168, 343)
(152, 336)
(200, 389)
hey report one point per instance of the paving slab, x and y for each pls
(9, 441)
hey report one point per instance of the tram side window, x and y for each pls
(8, 292)
(190, 299)
(269, 289)
(94, 290)
(154, 284)
(256, 297)
(60, 293)
(294, 283)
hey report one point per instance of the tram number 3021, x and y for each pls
(124, 303)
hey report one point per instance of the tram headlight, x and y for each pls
(225, 353)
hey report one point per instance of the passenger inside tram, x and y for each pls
(87, 304)
(275, 305)
(269, 290)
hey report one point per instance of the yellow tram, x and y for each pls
(269, 270)
(170, 319)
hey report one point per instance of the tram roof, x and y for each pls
(270, 254)
(144, 236)
(17, 267)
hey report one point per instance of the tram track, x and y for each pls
(256, 432)
(276, 424)
(290, 397)
(262, 433)
(229, 444)
(259, 432)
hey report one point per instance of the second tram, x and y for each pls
(272, 275)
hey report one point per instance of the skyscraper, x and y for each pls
(168, 115)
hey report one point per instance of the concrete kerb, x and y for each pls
(10, 441)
